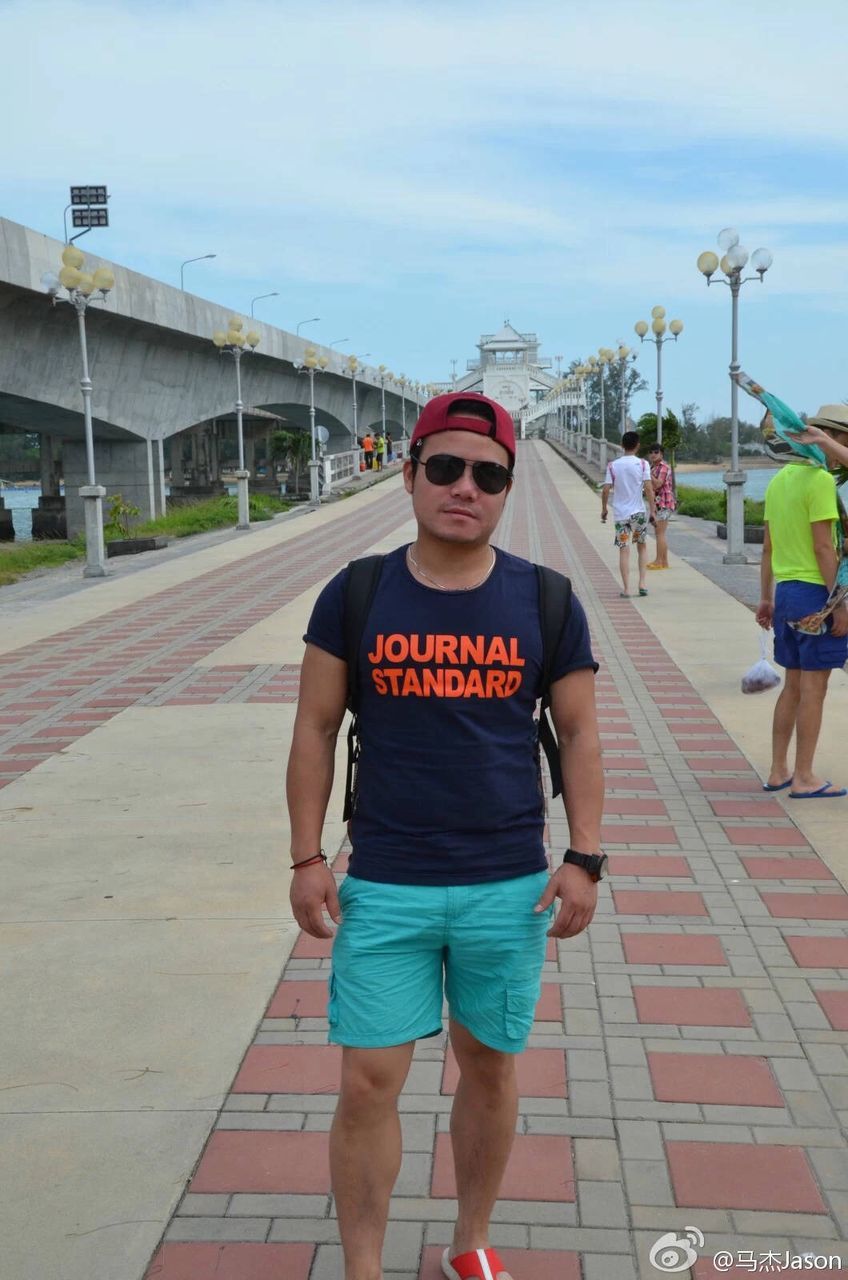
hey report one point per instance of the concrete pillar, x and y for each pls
(177, 472)
(49, 472)
(160, 459)
(214, 451)
(121, 468)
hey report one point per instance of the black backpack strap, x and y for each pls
(554, 612)
(360, 589)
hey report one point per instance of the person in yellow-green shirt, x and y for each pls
(800, 559)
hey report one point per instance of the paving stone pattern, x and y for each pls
(687, 1064)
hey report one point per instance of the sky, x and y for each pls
(416, 173)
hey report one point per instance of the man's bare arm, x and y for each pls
(765, 609)
(605, 492)
(825, 552)
(309, 781)
(575, 721)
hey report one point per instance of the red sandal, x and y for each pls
(479, 1264)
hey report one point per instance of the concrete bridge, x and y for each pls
(155, 370)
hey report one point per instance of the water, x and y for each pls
(755, 483)
(21, 503)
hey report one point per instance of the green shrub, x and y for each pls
(711, 504)
(209, 513)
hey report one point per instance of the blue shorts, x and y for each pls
(402, 948)
(793, 649)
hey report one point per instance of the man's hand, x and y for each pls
(603, 517)
(765, 614)
(839, 626)
(579, 895)
(312, 889)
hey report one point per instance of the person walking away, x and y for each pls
(442, 896)
(383, 452)
(801, 544)
(629, 479)
(368, 450)
(665, 502)
(390, 447)
(378, 444)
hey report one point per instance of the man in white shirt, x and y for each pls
(629, 478)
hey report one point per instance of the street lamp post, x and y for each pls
(658, 328)
(233, 342)
(311, 362)
(404, 383)
(301, 323)
(622, 355)
(83, 288)
(183, 266)
(259, 298)
(353, 369)
(338, 342)
(382, 374)
(732, 265)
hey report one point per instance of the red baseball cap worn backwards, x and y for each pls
(444, 413)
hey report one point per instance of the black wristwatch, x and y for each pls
(594, 863)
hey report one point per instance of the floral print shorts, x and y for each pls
(634, 530)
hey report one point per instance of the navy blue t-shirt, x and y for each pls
(448, 788)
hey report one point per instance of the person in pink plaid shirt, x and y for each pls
(665, 503)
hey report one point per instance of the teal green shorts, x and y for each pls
(401, 949)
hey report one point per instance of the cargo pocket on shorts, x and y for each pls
(519, 1007)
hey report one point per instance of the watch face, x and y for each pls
(603, 863)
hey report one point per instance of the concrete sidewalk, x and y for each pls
(687, 1064)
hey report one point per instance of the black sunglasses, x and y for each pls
(446, 468)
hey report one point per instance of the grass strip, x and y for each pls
(18, 559)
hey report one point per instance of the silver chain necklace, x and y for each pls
(441, 585)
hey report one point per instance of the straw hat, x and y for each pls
(833, 417)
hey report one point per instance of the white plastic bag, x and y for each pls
(762, 675)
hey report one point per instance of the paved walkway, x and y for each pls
(687, 1066)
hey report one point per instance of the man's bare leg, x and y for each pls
(642, 560)
(783, 726)
(807, 727)
(365, 1152)
(624, 567)
(483, 1120)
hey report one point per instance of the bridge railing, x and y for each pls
(337, 469)
(593, 449)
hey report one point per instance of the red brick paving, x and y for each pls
(783, 836)
(807, 906)
(819, 953)
(672, 949)
(787, 869)
(718, 1078)
(835, 1005)
(691, 1006)
(290, 1068)
(635, 864)
(294, 999)
(719, 1175)
(177, 1260)
(658, 902)
(257, 1160)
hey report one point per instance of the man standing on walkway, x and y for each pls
(447, 892)
(800, 555)
(368, 450)
(665, 502)
(629, 478)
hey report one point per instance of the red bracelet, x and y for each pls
(307, 862)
